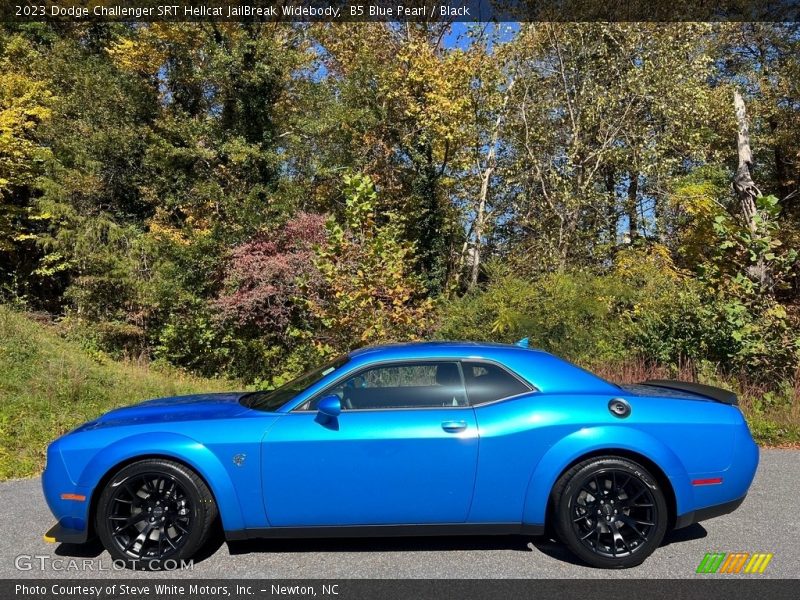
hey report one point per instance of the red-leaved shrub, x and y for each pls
(263, 276)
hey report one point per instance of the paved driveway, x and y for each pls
(768, 521)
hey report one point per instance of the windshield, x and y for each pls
(272, 400)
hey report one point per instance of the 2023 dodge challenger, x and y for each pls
(411, 439)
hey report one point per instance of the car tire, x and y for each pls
(610, 512)
(154, 514)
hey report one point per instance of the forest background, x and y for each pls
(212, 205)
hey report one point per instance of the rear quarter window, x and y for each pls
(487, 382)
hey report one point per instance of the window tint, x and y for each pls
(409, 385)
(487, 383)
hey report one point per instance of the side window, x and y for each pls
(487, 382)
(408, 385)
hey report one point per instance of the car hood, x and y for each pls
(196, 407)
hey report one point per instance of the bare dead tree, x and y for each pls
(746, 189)
(486, 178)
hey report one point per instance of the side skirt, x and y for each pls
(351, 531)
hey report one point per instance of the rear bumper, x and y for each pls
(734, 482)
(703, 514)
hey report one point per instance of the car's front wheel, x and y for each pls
(610, 512)
(154, 514)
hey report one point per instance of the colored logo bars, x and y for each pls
(734, 562)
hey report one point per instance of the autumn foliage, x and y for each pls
(247, 199)
(266, 276)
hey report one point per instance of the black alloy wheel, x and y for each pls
(610, 512)
(150, 516)
(154, 514)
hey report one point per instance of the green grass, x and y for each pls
(49, 385)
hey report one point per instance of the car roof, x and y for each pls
(545, 371)
(441, 348)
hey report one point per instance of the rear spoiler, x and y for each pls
(709, 391)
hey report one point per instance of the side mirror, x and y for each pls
(329, 408)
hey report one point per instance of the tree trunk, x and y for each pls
(611, 209)
(743, 183)
(632, 206)
(480, 222)
(745, 188)
(486, 178)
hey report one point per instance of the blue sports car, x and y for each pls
(410, 439)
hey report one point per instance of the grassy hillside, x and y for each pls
(49, 385)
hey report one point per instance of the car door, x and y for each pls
(403, 451)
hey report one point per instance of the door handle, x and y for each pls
(454, 426)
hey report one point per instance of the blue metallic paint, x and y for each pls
(370, 470)
(384, 467)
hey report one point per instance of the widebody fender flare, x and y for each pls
(591, 440)
(181, 448)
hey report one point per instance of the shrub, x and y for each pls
(263, 276)
(569, 314)
(369, 292)
(643, 308)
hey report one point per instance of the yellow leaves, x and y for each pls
(638, 263)
(24, 102)
(697, 199)
(24, 105)
(412, 79)
(430, 87)
(161, 227)
(148, 50)
(138, 57)
(164, 232)
(42, 215)
(775, 311)
(51, 264)
(372, 294)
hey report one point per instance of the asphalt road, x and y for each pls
(768, 521)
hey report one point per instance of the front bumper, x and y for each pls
(68, 502)
(66, 535)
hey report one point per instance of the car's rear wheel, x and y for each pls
(154, 514)
(610, 512)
